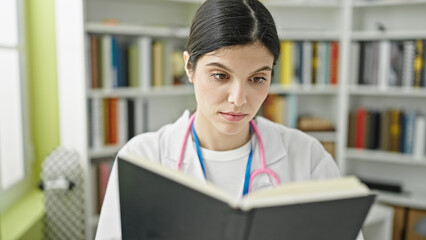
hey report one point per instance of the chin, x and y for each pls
(231, 128)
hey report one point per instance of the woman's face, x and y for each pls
(230, 85)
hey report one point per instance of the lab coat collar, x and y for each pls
(272, 141)
(271, 135)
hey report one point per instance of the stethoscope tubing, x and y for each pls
(262, 169)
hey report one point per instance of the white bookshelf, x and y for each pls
(385, 157)
(137, 30)
(357, 90)
(386, 3)
(384, 166)
(388, 35)
(343, 21)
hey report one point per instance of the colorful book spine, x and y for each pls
(104, 170)
(133, 66)
(115, 55)
(315, 60)
(106, 121)
(395, 130)
(122, 114)
(385, 131)
(334, 63)
(409, 130)
(419, 63)
(423, 84)
(158, 63)
(360, 127)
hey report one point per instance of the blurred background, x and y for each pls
(80, 78)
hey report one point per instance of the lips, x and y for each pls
(233, 116)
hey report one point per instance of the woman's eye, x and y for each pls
(220, 76)
(258, 79)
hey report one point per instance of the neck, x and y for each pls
(212, 139)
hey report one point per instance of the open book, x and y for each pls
(161, 203)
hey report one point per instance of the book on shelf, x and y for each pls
(274, 108)
(158, 63)
(361, 114)
(113, 121)
(419, 65)
(392, 130)
(167, 201)
(287, 63)
(123, 121)
(103, 172)
(138, 62)
(307, 63)
(384, 131)
(96, 124)
(383, 64)
(334, 62)
(309, 123)
(144, 45)
(395, 74)
(389, 63)
(315, 61)
(95, 62)
(351, 129)
(395, 130)
(408, 64)
(419, 148)
(329, 147)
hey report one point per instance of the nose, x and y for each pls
(237, 94)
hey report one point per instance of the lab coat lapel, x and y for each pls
(173, 141)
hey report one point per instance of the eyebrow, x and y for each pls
(216, 64)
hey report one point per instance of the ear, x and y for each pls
(187, 70)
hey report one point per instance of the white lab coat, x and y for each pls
(293, 155)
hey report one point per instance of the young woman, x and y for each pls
(232, 48)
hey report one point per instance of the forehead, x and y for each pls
(253, 54)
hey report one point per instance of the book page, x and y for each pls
(309, 191)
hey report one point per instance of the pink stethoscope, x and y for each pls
(249, 177)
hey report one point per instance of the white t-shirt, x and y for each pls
(226, 169)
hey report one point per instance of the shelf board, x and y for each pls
(412, 200)
(303, 90)
(284, 3)
(387, 92)
(387, 35)
(384, 157)
(385, 3)
(303, 3)
(137, 30)
(313, 34)
(188, 90)
(108, 151)
(127, 92)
